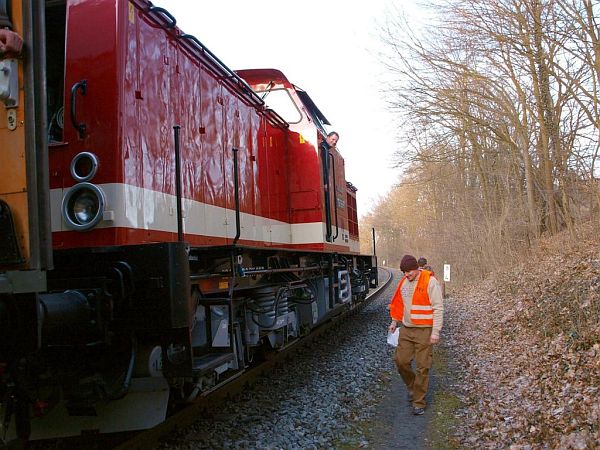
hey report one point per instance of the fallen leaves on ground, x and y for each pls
(527, 341)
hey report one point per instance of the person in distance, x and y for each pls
(419, 306)
(424, 266)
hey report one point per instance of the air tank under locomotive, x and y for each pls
(175, 220)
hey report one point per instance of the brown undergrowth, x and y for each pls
(528, 344)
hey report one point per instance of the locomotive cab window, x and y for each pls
(56, 12)
(279, 100)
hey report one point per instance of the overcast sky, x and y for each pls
(327, 47)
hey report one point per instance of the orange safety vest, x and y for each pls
(421, 312)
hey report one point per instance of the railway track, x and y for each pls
(185, 417)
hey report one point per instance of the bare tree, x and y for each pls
(500, 123)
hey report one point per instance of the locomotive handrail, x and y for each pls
(325, 163)
(236, 80)
(236, 187)
(337, 228)
(164, 13)
(124, 388)
(231, 74)
(220, 68)
(277, 119)
(178, 194)
(82, 86)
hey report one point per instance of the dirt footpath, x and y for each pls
(395, 427)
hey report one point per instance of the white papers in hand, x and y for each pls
(392, 338)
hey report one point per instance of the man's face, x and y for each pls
(412, 274)
(332, 140)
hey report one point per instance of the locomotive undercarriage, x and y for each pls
(126, 333)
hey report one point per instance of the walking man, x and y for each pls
(418, 304)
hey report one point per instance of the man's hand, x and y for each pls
(10, 43)
(434, 339)
(392, 326)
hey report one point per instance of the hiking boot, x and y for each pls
(418, 411)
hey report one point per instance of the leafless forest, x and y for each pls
(499, 125)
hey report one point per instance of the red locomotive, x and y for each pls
(196, 217)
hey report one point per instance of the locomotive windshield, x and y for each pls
(280, 101)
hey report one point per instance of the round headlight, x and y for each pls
(83, 206)
(84, 166)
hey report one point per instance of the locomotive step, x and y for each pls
(211, 361)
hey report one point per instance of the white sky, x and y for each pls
(326, 47)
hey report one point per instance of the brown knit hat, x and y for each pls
(408, 263)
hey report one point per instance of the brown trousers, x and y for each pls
(413, 343)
